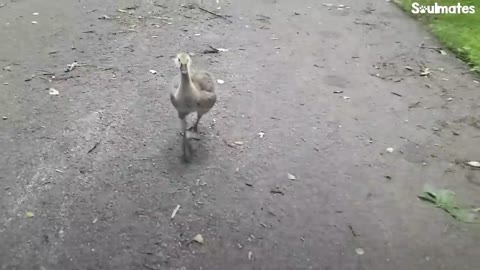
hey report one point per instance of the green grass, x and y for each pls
(460, 33)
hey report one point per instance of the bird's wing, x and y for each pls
(203, 80)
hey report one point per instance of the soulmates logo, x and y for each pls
(439, 9)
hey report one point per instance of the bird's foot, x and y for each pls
(193, 128)
(193, 135)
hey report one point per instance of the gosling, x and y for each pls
(193, 91)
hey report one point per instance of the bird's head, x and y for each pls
(183, 61)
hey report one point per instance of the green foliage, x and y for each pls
(460, 33)
(445, 199)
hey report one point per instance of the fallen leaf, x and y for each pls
(153, 71)
(475, 164)
(292, 177)
(345, 97)
(442, 52)
(449, 99)
(53, 92)
(445, 199)
(29, 214)
(71, 66)
(198, 238)
(175, 211)
(390, 149)
(220, 81)
(425, 72)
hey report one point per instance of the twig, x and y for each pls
(174, 213)
(353, 231)
(228, 144)
(212, 50)
(215, 14)
(431, 48)
(93, 148)
(396, 94)
(364, 23)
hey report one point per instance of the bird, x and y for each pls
(192, 91)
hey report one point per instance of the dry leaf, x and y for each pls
(292, 177)
(425, 72)
(153, 71)
(29, 214)
(390, 150)
(475, 164)
(359, 251)
(198, 238)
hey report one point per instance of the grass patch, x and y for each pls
(460, 33)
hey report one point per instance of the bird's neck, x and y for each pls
(185, 80)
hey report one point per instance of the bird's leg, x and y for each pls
(195, 127)
(186, 147)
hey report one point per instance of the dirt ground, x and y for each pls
(98, 166)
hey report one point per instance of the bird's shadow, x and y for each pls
(176, 162)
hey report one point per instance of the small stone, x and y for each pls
(359, 251)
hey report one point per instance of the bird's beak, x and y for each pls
(183, 69)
